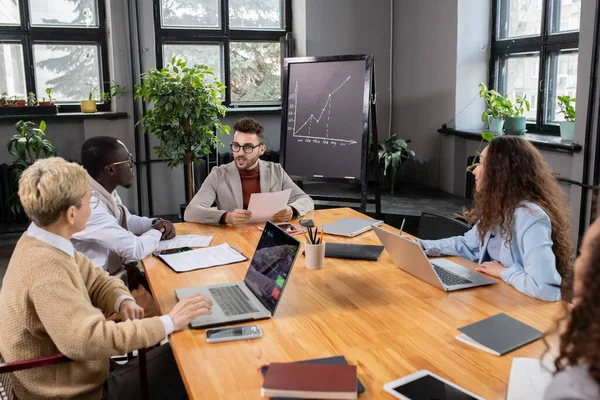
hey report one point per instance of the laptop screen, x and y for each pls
(271, 265)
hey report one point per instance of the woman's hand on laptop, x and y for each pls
(189, 308)
(493, 268)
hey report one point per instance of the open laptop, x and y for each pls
(258, 295)
(441, 273)
(350, 227)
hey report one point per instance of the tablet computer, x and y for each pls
(424, 385)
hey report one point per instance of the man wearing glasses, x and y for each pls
(231, 185)
(110, 239)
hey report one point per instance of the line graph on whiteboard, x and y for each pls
(315, 128)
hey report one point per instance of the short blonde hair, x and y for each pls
(49, 187)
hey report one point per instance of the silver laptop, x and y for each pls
(258, 295)
(441, 273)
(350, 227)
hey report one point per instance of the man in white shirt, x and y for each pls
(110, 238)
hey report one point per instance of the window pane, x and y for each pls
(191, 13)
(208, 54)
(565, 15)
(256, 14)
(9, 12)
(79, 13)
(562, 80)
(519, 18)
(12, 70)
(517, 77)
(71, 70)
(255, 71)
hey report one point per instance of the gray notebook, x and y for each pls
(350, 227)
(498, 334)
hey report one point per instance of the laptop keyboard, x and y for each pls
(232, 300)
(450, 278)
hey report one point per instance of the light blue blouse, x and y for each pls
(529, 260)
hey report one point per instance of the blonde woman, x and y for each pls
(52, 299)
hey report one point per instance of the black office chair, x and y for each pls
(434, 227)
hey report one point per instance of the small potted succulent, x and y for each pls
(567, 127)
(31, 100)
(89, 105)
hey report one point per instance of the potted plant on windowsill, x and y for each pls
(50, 100)
(89, 105)
(497, 108)
(515, 123)
(185, 113)
(393, 154)
(567, 127)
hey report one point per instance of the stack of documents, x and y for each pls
(185, 241)
(202, 258)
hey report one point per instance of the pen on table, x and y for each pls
(402, 226)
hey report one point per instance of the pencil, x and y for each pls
(321, 237)
(306, 237)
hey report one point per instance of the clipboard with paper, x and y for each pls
(207, 257)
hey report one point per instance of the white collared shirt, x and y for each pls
(103, 233)
(66, 246)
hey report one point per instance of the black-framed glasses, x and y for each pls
(130, 161)
(248, 148)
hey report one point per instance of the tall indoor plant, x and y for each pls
(26, 146)
(393, 153)
(497, 108)
(567, 127)
(186, 107)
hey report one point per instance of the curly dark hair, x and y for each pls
(250, 125)
(581, 336)
(515, 171)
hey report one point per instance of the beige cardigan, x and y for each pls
(51, 303)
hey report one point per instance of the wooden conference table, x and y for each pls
(380, 318)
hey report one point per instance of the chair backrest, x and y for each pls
(434, 227)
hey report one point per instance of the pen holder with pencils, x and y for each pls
(315, 255)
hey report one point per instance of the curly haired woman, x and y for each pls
(578, 364)
(522, 229)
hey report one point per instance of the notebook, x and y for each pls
(353, 251)
(529, 378)
(328, 360)
(310, 381)
(498, 334)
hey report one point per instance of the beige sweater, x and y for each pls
(51, 303)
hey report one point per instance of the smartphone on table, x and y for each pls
(426, 385)
(229, 334)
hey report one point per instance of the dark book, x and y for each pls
(353, 251)
(328, 360)
(310, 381)
(498, 334)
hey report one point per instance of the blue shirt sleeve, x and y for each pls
(466, 246)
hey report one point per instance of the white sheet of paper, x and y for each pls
(528, 379)
(264, 205)
(185, 241)
(203, 258)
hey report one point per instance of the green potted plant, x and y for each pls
(185, 113)
(515, 123)
(26, 146)
(497, 108)
(567, 127)
(48, 101)
(89, 105)
(31, 100)
(393, 153)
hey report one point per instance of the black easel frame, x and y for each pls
(369, 135)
